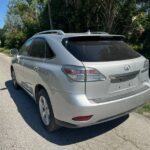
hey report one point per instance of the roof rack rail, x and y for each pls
(99, 32)
(60, 32)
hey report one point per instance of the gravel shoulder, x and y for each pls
(21, 128)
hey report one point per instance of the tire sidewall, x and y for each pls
(16, 86)
(52, 125)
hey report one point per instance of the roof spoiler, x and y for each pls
(59, 32)
(97, 37)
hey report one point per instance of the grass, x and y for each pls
(145, 108)
(4, 50)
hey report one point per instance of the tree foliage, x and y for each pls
(23, 20)
(26, 17)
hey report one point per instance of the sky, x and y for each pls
(3, 11)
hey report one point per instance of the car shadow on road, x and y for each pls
(29, 112)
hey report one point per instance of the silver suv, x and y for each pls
(80, 79)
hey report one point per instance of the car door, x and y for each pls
(33, 63)
(18, 66)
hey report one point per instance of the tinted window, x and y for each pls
(38, 48)
(96, 51)
(49, 52)
(25, 48)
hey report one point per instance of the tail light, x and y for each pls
(82, 74)
(146, 66)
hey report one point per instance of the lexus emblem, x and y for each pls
(127, 67)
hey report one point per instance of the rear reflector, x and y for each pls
(82, 118)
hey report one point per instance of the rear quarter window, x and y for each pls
(99, 50)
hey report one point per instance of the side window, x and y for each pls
(25, 48)
(49, 52)
(37, 48)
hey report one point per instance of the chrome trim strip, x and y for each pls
(123, 77)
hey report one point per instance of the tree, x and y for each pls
(50, 16)
(2, 37)
(100, 15)
(23, 20)
(26, 17)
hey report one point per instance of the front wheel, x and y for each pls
(15, 84)
(46, 112)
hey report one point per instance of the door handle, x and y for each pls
(36, 69)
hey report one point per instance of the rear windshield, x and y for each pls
(101, 50)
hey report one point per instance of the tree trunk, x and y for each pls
(50, 15)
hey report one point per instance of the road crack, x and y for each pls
(126, 139)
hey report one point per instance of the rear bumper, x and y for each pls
(69, 125)
(66, 106)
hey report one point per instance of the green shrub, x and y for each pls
(5, 50)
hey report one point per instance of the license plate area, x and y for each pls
(115, 87)
(121, 82)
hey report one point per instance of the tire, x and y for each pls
(14, 80)
(46, 111)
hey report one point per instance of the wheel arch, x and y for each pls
(38, 87)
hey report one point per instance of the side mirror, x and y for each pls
(14, 52)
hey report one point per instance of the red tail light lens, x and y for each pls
(146, 64)
(82, 118)
(75, 73)
(94, 75)
(82, 74)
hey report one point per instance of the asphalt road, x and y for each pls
(21, 128)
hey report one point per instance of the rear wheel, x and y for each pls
(15, 84)
(46, 112)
